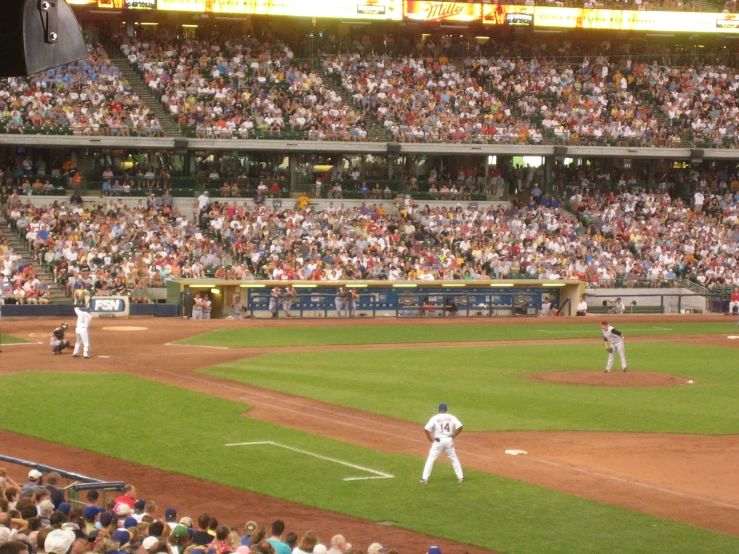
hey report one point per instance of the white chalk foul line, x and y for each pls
(635, 483)
(376, 474)
(196, 346)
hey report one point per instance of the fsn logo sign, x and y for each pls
(109, 307)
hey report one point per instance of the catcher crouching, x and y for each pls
(57, 341)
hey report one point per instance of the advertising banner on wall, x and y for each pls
(425, 10)
(503, 14)
(354, 9)
(109, 307)
(615, 20)
(439, 11)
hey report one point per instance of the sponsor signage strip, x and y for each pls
(613, 20)
(439, 11)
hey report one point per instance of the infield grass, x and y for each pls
(184, 431)
(395, 334)
(489, 388)
(8, 339)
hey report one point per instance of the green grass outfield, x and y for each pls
(394, 334)
(7, 339)
(184, 431)
(489, 389)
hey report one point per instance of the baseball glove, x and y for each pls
(609, 349)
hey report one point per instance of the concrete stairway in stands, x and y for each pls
(139, 87)
(56, 292)
(372, 125)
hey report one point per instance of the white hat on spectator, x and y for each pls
(34, 475)
(149, 542)
(5, 535)
(59, 541)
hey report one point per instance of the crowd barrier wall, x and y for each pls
(379, 298)
(67, 310)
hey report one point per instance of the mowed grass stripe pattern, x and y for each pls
(489, 388)
(184, 431)
(398, 334)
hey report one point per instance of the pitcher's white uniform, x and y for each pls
(616, 340)
(80, 330)
(442, 428)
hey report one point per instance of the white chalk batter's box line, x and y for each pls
(375, 474)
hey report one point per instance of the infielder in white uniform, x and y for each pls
(441, 430)
(82, 339)
(614, 341)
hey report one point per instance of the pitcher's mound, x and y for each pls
(616, 378)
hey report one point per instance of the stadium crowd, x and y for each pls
(622, 236)
(234, 87)
(413, 89)
(231, 86)
(89, 97)
(513, 99)
(37, 518)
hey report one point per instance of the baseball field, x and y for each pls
(321, 423)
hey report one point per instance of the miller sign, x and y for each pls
(109, 307)
(422, 10)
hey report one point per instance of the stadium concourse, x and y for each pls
(657, 463)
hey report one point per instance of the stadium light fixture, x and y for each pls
(405, 286)
(36, 35)
(553, 285)
(186, 26)
(148, 24)
(356, 286)
(201, 286)
(506, 285)
(252, 286)
(215, 291)
(299, 286)
(453, 285)
(362, 23)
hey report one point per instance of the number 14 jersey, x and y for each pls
(443, 425)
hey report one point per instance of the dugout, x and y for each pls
(521, 297)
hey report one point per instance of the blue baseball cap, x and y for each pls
(92, 511)
(442, 407)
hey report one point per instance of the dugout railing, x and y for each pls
(76, 482)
